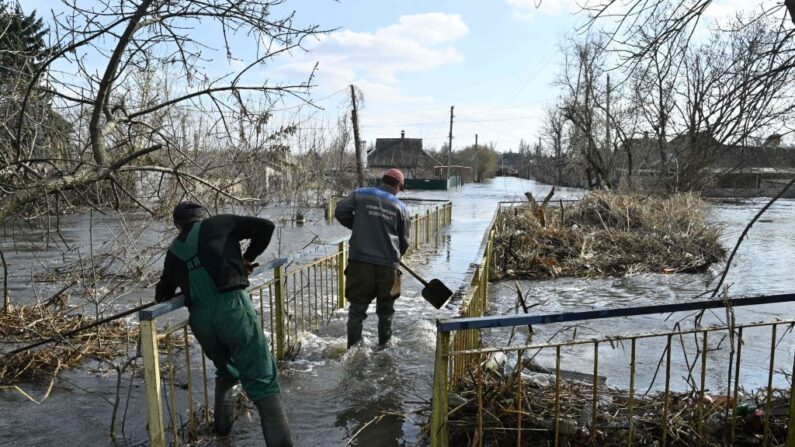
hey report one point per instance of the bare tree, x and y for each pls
(728, 93)
(131, 117)
(554, 133)
(701, 97)
(123, 105)
(672, 21)
(583, 69)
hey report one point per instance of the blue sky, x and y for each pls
(495, 61)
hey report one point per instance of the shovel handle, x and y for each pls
(424, 283)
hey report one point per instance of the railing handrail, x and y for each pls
(455, 324)
(161, 309)
(527, 202)
(413, 199)
(615, 339)
(178, 301)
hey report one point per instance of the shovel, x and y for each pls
(435, 292)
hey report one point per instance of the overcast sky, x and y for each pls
(495, 61)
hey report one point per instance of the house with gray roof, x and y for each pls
(403, 153)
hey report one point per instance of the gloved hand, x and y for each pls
(249, 266)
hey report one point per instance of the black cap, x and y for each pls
(188, 212)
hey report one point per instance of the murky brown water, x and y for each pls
(332, 393)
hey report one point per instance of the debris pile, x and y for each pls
(510, 408)
(605, 234)
(29, 324)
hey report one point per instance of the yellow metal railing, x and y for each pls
(449, 369)
(301, 297)
(460, 356)
(640, 409)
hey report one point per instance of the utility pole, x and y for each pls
(357, 142)
(450, 144)
(477, 176)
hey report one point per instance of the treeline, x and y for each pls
(653, 105)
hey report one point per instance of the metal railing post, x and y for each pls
(415, 220)
(489, 250)
(342, 262)
(439, 432)
(427, 225)
(278, 311)
(791, 421)
(330, 204)
(154, 405)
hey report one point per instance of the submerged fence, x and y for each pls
(302, 296)
(553, 393)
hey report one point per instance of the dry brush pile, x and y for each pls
(29, 324)
(605, 234)
(505, 410)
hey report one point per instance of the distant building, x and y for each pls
(403, 153)
(700, 158)
(510, 164)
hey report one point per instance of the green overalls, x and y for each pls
(226, 326)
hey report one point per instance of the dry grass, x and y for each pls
(504, 411)
(29, 324)
(605, 234)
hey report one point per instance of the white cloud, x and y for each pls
(415, 43)
(526, 10)
(374, 62)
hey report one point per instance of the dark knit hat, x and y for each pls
(188, 212)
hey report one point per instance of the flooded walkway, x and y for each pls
(332, 394)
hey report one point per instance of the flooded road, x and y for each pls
(332, 394)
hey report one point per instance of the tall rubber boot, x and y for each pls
(385, 310)
(354, 333)
(226, 394)
(384, 329)
(275, 428)
(357, 313)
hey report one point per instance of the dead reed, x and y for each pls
(28, 324)
(507, 416)
(605, 234)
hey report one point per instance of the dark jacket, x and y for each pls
(219, 254)
(380, 224)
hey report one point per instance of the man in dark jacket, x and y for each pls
(206, 264)
(380, 224)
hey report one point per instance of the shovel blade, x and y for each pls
(436, 293)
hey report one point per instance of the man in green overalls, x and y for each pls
(206, 264)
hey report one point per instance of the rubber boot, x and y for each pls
(384, 330)
(275, 428)
(354, 332)
(226, 394)
(385, 310)
(357, 313)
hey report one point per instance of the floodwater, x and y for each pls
(333, 395)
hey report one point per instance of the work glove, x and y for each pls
(249, 266)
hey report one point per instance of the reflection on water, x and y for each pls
(332, 394)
